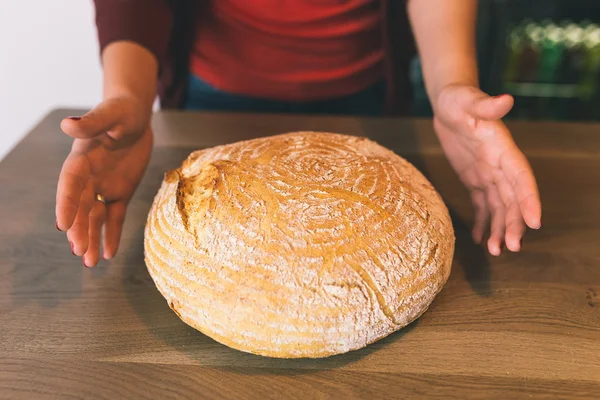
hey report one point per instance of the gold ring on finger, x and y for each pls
(100, 198)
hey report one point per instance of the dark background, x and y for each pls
(546, 53)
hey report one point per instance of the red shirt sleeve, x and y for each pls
(145, 22)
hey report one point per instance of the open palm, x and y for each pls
(108, 157)
(481, 150)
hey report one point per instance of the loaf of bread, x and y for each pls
(303, 244)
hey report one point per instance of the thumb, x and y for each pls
(490, 108)
(99, 120)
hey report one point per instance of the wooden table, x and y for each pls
(521, 325)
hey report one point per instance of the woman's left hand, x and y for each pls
(482, 151)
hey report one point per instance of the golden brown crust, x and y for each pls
(298, 245)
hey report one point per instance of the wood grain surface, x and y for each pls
(523, 325)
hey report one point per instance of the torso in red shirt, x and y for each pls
(294, 50)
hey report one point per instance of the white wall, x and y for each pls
(48, 59)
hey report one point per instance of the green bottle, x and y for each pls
(589, 81)
(530, 56)
(573, 60)
(552, 50)
(514, 43)
(590, 84)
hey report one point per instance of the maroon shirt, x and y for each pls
(167, 29)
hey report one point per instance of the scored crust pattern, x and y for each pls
(304, 244)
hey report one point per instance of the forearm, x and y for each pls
(130, 70)
(445, 34)
(133, 36)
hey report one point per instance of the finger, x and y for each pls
(471, 177)
(113, 228)
(99, 120)
(481, 215)
(72, 181)
(519, 174)
(96, 220)
(78, 233)
(515, 226)
(498, 220)
(489, 108)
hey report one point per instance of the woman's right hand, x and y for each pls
(110, 153)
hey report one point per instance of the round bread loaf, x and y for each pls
(304, 244)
